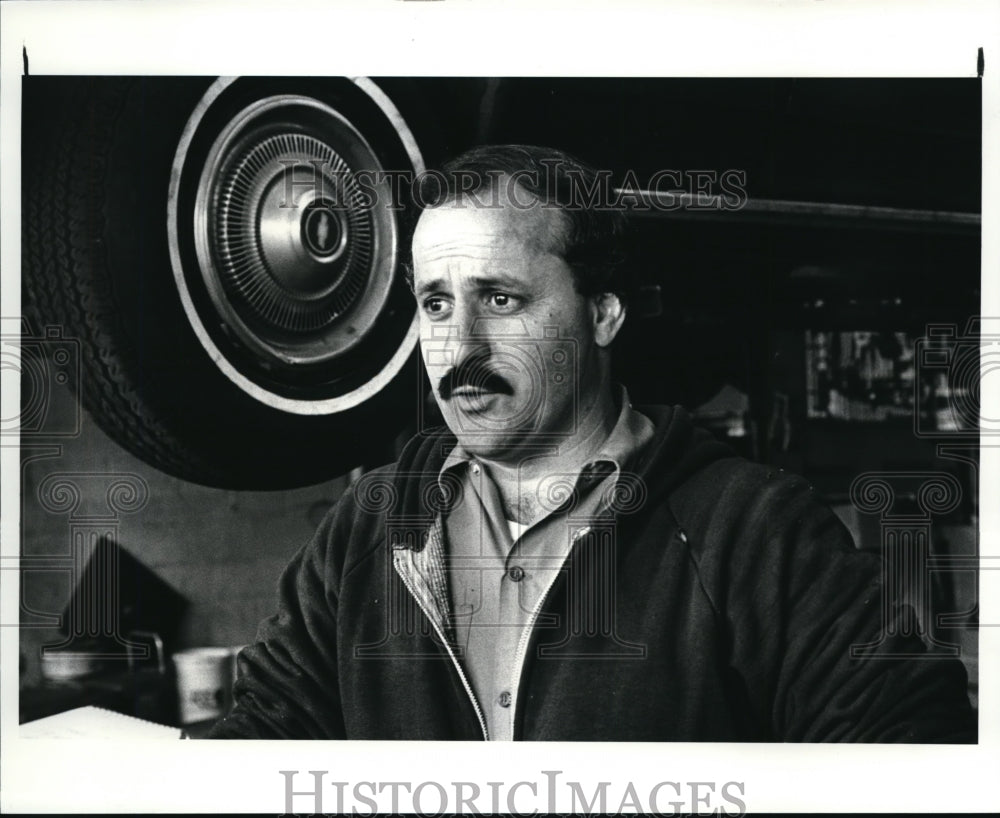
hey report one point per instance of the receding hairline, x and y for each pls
(554, 213)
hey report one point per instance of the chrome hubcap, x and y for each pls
(296, 258)
(284, 237)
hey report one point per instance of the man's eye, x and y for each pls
(435, 306)
(503, 301)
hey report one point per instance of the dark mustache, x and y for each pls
(475, 372)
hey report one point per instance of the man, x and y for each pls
(558, 564)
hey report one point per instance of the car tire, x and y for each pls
(129, 240)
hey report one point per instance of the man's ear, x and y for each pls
(608, 314)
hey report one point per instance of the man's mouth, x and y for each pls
(473, 387)
(475, 399)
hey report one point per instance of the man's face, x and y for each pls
(507, 341)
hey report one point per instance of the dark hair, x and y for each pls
(592, 244)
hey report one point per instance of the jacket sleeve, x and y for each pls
(800, 602)
(287, 684)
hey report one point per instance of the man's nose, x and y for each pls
(455, 340)
(485, 336)
(473, 335)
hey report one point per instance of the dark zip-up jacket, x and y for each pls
(720, 603)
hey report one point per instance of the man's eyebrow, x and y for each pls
(430, 286)
(488, 282)
(494, 282)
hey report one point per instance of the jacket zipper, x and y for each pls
(451, 653)
(522, 645)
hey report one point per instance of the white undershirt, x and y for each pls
(516, 530)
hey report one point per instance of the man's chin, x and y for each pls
(486, 426)
(488, 446)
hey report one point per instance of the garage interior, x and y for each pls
(829, 325)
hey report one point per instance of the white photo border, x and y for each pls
(794, 38)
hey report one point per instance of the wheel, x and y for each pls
(227, 255)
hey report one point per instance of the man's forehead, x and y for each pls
(467, 228)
